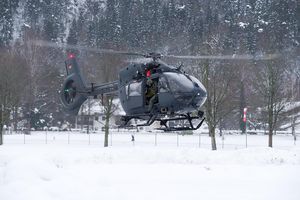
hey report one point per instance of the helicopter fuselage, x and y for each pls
(176, 92)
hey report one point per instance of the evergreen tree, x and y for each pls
(196, 31)
(73, 34)
(53, 13)
(7, 11)
(135, 33)
(113, 28)
(282, 19)
(96, 24)
(33, 13)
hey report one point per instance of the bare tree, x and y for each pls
(105, 69)
(32, 55)
(43, 78)
(109, 108)
(269, 84)
(13, 77)
(217, 78)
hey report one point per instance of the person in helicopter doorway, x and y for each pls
(151, 93)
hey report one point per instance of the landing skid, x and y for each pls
(164, 121)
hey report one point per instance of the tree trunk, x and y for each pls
(106, 133)
(1, 125)
(210, 115)
(270, 126)
(213, 139)
(108, 105)
(270, 138)
(81, 118)
(271, 97)
(15, 119)
(1, 136)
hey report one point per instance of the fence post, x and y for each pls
(46, 137)
(89, 138)
(110, 138)
(246, 137)
(223, 138)
(68, 137)
(1, 125)
(1, 134)
(24, 137)
(293, 130)
(155, 139)
(199, 139)
(177, 140)
(133, 139)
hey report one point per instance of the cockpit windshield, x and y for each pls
(179, 82)
(197, 83)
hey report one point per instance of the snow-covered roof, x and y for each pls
(97, 108)
(291, 105)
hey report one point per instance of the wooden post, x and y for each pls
(68, 137)
(1, 126)
(1, 136)
(46, 138)
(111, 139)
(199, 139)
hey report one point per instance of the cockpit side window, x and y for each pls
(163, 85)
(135, 89)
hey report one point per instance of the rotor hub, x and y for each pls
(154, 56)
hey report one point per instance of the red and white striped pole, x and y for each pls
(245, 115)
(245, 120)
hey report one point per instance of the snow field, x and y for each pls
(58, 171)
(282, 141)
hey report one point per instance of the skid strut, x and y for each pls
(164, 121)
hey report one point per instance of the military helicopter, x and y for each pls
(175, 94)
(151, 91)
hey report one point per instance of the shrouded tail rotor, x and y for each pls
(69, 92)
(73, 93)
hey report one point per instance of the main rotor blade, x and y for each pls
(110, 51)
(227, 57)
(82, 48)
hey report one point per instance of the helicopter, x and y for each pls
(148, 91)
(176, 94)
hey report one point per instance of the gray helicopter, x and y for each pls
(151, 91)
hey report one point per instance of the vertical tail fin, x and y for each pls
(74, 89)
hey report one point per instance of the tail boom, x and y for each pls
(75, 90)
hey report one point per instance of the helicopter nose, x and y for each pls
(200, 95)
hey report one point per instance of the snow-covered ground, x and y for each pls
(160, 139)
(176, 168)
